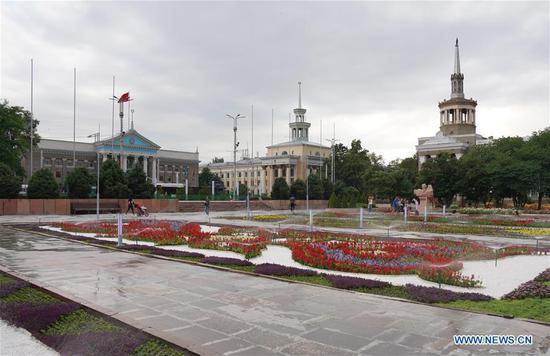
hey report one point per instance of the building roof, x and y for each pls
(297, 143)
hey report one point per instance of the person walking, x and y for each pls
(207, 206)
(292, 204)
(370, 203)
(131, 204)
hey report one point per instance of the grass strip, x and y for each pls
(321, 280)
(157, 348)
(5, 279)
(29, 295)
(81, 322)
(530, 308)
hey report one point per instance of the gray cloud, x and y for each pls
(375, 69)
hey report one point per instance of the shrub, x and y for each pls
(332, 200)
(112, 181)
(79, 183)
(138, 183)
(298, 189)
(43, 185)
(10, 183)
(280, 189)
(438, 295)
(226, 261)
(345, 282)
(529, 289)
(272, 269)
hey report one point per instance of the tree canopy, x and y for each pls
(10, 182)
(79, 183)
(138, 184)
(42, 185)
(112, 180)
(280, 189)
(15, 135)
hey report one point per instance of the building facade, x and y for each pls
(166, 169)
(292, 160)
(457, 130)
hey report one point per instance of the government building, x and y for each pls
(457, 118)
(292, 160)
(166, 169)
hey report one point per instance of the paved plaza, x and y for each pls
(214, 312)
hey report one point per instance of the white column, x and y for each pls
(41, 159)
(279, 172)
(145, 165)
(262, 181)
(288, 175)
(154, 170)
(124, 163)
(104, 157)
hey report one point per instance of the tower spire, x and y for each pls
(457, 78)
(299, 95)
(457, 58)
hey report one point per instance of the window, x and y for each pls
(57, 174)
(284, 153)
(239, 174)
(292, 172)
(246, 174)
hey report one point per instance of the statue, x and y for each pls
(426, 195)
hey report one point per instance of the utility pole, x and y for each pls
(332, 141)
(235, 145)
(32, 117)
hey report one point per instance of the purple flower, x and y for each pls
(226, 261)
(176, 253)
(10, 287)
(345, 282)
(438, 295)
(114, 344)
(532, 288)
(272, 269)
(544, 276)
(35, 317)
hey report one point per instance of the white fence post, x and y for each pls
(425, 213)
(119, 229)
(361, 217)
(405, 213)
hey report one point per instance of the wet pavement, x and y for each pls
(215, 312)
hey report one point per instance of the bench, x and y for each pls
(91, 208)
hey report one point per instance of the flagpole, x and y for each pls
(74, 118)
(32, 116)
(272, 127)
(252, 149)
(113, 123)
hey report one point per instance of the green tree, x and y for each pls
(537, 150)
(442, 173)
(511, 172)
(112, 181)
(298, 189)
(15, 135)
(205, 181)
(138, 184)
(475, 183)
(280, 189)
(42, 185)
(10, 183)
(79, 183)
(332, 201)
(217, 160)
(315, 187)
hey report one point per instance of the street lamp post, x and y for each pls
(235, 145)
(96, 139)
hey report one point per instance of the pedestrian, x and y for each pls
(207, 206)
(416, 204)
(395, 204)
(292, 203)
(370, 203)
(130, 204)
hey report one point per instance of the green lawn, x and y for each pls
(310, 279)
(530, 308)
(81, 322)
(30, 295)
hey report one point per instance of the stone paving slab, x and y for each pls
(214, 312)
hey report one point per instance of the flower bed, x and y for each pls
(345, 282)
(227, 261)
(538, 287)
(438, 295)
(69, 328)
(246, 242)
(272, 269)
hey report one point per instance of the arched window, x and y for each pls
(284, 153)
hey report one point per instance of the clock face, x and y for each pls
(132, 141)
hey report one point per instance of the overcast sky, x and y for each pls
(376, 70)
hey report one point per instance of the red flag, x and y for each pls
(124, 98)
